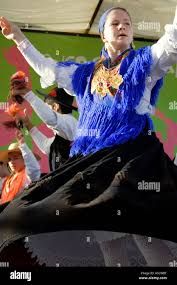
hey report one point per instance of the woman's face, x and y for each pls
(118, 31)
(16, 162)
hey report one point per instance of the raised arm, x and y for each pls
(164, 55)
(164, 52)
(32, 166)
(63, 124)
(45, 67)
(42, 141)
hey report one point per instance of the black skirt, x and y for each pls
(129, 188)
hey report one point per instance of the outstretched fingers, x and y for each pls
(4, 24)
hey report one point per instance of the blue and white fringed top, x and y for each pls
(106, 121)
(124, 118)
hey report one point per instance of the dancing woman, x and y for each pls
(115, 151)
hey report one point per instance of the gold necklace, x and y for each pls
(106, 81)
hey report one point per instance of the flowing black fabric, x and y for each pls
(86, 194)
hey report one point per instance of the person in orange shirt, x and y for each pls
(24, 169)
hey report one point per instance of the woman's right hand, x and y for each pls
(11, 31)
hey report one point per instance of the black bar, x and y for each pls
(120, 273)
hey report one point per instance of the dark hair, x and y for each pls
(50, 100)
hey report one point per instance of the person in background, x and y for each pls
(56, 112)
(24, 169)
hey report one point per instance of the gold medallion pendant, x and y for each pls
(106, 81)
